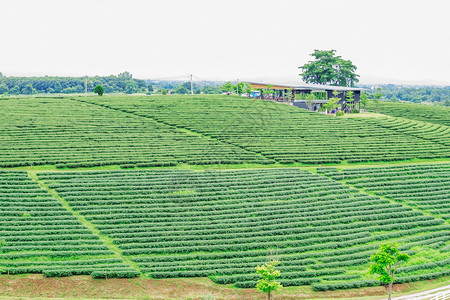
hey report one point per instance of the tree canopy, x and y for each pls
(99, 90)
(68, 85)
(269, 273)
(385, 263)
(327, 68)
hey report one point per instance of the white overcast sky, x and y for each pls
(396, 40)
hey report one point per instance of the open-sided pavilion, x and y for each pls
(281, 91)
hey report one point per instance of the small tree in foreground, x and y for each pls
(268, 272)
(385, 263)
(99, 90)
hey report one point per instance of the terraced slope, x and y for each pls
(284, 133)
(181, 223)
(426, 187)
(39, 235)
(439, 134)
(73, 134)
(420, 112)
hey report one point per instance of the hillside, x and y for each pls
(217, 224)
(169, 187)
(283, 133)
(151, 131)
(420, 112)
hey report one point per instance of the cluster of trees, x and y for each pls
(122, 83)
(176, 87)
(416, 94)
(241, 88)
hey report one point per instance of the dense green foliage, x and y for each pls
(69, 85)
(415, 94)
(421, 112)
(269, 274)
(385, 262)
(41, 236)
(184, 87)
(99, 90)
(327, 68)
(425, 187)
(221, 224)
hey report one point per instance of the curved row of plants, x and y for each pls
(39, 235)
(220, 224)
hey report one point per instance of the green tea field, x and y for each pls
(162, 189)
(200, 130)
(421, 112)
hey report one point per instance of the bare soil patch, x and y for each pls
(84, 287)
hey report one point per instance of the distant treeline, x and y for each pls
(121, 83)
(179, 87)
(416, 94)
(125, 83)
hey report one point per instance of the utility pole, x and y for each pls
(192, 90)
(85, 86)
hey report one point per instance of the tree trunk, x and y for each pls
(268, 295)
(390, 290)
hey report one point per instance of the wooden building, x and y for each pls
(281, 91)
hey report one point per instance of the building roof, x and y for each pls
(313, 101)
(306, 86)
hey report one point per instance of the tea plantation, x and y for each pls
(426, 187)
(39, 235)
(285, 133)
(421, 112)
(211, 186)
(158, 131)
(181, 223)
(69, 133)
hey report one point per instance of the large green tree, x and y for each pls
(327, 68)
